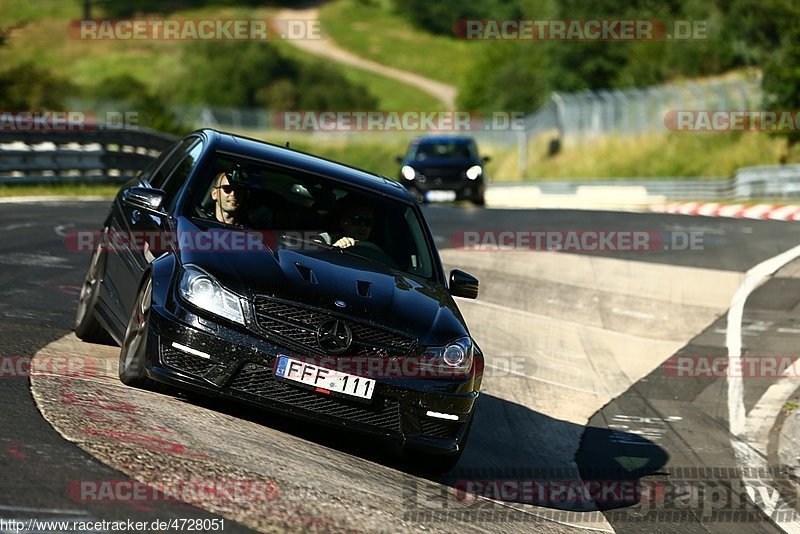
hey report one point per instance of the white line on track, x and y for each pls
(60, 230)
(746, 433)
(7, 508)
(632, 313)
(540, 516)
(17, 226)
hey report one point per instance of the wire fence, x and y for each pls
(575, 118)
(566, 119)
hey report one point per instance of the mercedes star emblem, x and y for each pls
(334, 336)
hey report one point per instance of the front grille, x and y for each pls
(258, 380)
(445, 172)
(285, 321)
(187, 363)
(439, 429)
(436, 177)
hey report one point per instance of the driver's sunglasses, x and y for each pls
(228, 189)
(361, 220)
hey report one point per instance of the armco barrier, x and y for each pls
(100, 156)
(767, 181)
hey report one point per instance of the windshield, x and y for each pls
(448, 149)
(314, 211)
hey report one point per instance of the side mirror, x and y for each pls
(144, 198)
(398, 159)
(463, 284)
(486, 159)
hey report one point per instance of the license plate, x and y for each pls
(324, 379)
(440, 196)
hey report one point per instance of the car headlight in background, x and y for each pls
(203, 290)
(408, 172)
(453, 358)
(474, 171)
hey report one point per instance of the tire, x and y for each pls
(87, 327)
(133, 353)
(480, 201)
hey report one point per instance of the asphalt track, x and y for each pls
(661, 425)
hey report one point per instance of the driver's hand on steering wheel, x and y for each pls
(345, 242)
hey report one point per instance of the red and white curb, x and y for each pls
(712, 209)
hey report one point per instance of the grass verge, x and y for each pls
(60, 190)
(672, 155)
(374, 32)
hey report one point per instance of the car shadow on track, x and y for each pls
(519, 455)
(515, 454)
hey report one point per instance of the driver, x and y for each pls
(356, 222)
(228, 194)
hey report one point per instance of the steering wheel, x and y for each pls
(373, 252)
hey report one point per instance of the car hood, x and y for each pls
(319, 277)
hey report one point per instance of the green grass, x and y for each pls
(45, 41)
(675, 154)
(15, 12)
(391, 94)
(66, 190)
(375, 32)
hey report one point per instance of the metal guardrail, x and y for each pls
(116, 156)
(99, 156)
(767, 181)
(670, 188)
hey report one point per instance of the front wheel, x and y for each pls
(86, 325)
(133, 354)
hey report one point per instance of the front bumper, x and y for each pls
(192, 352)
(463, 189)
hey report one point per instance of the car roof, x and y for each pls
(289, 157)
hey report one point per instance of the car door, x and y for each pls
(147, 229)
(115, 238)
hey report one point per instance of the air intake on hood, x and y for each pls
(364, 288)
(306, 273)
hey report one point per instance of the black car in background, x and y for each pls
(272, 309)
(444, 168)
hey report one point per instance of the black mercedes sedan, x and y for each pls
(444, 168)
(237, 268)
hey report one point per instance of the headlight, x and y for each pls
(203, 290)
(408, 172)
(454, 358)
(474, 171)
